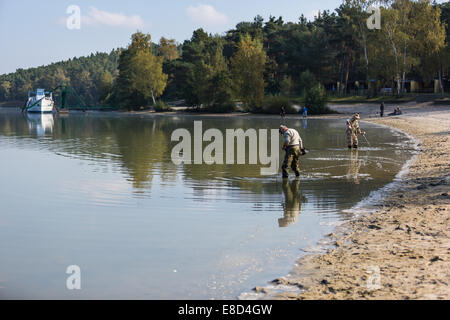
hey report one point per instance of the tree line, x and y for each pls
(87, 75)
(260, 60)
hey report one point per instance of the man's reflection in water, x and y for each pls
(353, 167)
(292, 205)
(305, 123)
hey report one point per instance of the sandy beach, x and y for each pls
(401, 249)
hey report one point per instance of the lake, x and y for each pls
(100, 191)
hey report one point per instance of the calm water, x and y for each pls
(100, 191)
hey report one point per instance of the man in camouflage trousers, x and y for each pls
(352, 131)
(293, 145)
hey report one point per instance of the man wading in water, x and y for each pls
(293, 145)
(353, 130)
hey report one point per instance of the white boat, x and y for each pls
(40, 101)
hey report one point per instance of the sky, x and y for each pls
(35, 33)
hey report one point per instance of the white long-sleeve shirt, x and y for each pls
(292, 138)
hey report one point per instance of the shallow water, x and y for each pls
(100, 191)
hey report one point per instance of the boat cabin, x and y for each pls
(39, 94)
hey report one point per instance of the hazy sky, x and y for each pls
(34, 33)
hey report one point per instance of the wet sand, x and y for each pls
(401, 250)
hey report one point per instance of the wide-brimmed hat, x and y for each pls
(282, 128)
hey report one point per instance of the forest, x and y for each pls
(263, 63)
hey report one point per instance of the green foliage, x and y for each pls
(161, 106)
(5, 87)
(307, 81)
(248, 71)
(141, 77)
(167, 49)
(205, 80)
(273, 105)
(316, 100)
(287, 86)
(82, 74)
(213, 81)
(105, 85)
(227, 107)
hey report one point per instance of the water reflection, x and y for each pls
(292, 205)
(40, 124)
(353, 167)
(305, 123)
(141, 147)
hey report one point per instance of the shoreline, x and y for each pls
(367, 110)
(404, 242)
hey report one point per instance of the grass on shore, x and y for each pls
(361, 99)
(364, 99)
(409, 97)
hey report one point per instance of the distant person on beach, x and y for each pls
(283, 112)
(305, 112)
(293, 145)
(397, 112)
(382, 110)
(353, 130)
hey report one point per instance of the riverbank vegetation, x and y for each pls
(262, 66)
